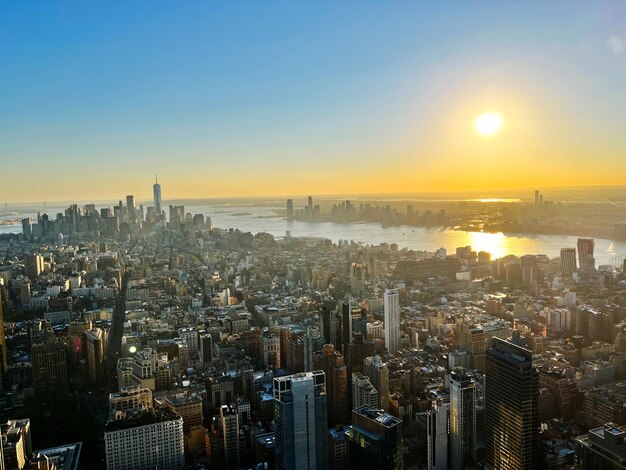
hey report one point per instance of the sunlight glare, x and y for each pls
(488, 124)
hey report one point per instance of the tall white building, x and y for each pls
(145, 439)
(392, 320)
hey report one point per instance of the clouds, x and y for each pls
(615, 44)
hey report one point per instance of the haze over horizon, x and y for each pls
(232, 100)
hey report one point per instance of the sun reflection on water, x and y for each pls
(495, 243)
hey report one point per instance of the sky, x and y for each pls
(288, 98)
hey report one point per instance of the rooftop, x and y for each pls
(118, 421)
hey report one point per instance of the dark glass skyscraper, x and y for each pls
(375, 440)
(300, 420)
(511, 408)
(462, 420)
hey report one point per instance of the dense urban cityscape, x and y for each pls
(143, 337)
(325, 235)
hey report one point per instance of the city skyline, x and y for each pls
(313, 235)
(311, 98)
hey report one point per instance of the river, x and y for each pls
(263, 219)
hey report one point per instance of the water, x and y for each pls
(263, 219)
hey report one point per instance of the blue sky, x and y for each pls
(226, 98)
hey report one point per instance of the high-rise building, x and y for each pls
(229, 419)
(94, 346)
(49, 364)
(300, 421)
(363, 392)
(289, 209)
(378, 373)
(357, 279)
(16, 444)
(332, 363)
(33, 265)
(437, 436)
(511, 407)
(471, 337)
(375, 440)
(603, 447)
(586, 261)
(358, 350)
(27, 230)
(206, 350)
(568, 261)
(188, 407)
(346, 327)
(128, 399)
(313, 342)
(156, 190)
(125, 373)
(270, 349)
(337, 449)
(144, 439)
(76, 337)
(191, 336)
(3, 349)
(392, 320)
(329, 324)
(463, 403)
(130, 207)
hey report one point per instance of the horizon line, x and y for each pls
(337, 195)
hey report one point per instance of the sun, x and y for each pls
(488, 124)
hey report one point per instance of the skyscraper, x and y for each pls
(586, 260)
(289, 209)
(206, 350)
(332, 363)
(511, 407)
(313, 342)
(378, 373)
(49, 366)
(230, 433)
(437, 435)
(27, 230)
(94, 341)
(300, 421)
(3, 348)
(156, 190)
(363, 392)
(462, 420)
(568, 261)
(375, 440)
(33, 265)
(346, 327)
(392, 320)
(130, 207)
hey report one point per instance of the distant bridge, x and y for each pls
(617, 261)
